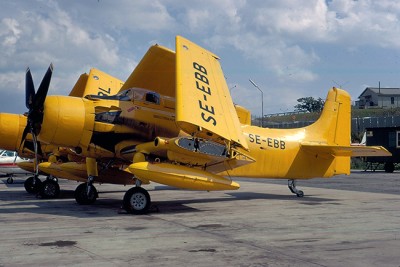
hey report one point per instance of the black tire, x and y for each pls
(81, 196)
(137, 201)
(10, 180)
(389, 167)
(300, 193)
(32, 188)
(49, 189)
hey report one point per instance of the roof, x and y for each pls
(381, 91)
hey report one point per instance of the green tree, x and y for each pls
(309, 104)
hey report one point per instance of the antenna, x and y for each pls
(262, 101)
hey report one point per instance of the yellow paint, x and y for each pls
(91, 167)
(202, 95)
(77, 171)
(181, 176)
(96, 83)
(11, 129)
(156, 72)
(27, 166)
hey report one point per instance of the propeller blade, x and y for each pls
(35, 146)
(29, 89)
(41, 94)
(24, 134)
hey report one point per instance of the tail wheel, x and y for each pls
(137, 201)
(32, 185)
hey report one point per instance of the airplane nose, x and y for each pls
(67, 121)
(11, 128)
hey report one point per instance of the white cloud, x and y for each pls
(286, 43)
(9, 32)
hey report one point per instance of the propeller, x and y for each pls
(34, 101)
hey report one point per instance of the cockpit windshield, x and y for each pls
(126, 95)
(131, 94)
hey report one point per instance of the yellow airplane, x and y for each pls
(173, 122)
(15, 136)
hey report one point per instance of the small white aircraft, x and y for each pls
(8, 165)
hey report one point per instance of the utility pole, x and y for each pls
(262, 102)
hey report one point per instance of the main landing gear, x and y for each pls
(49, 188)
(32, 185)
(293, 188)
(86, 193)
(136, 200)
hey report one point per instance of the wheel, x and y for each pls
(137, 200)
(30, 187)
(300, 193)
(389, 167)
(49, 189)
(10, 180)
(81, 195)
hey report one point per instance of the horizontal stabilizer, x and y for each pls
(349, 151)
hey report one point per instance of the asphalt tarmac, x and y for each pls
(343, 221)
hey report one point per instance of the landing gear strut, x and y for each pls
(86, 193)
(293, 189)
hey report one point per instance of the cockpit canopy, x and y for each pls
(131, 94)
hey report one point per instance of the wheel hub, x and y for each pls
(49, 189)
(138, 201)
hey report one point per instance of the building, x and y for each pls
(375, 97)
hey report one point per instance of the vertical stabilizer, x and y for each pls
(333, 129)
(333, 126)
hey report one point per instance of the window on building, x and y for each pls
(392, 100)
(398, 138)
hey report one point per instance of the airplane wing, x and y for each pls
(155, 72)
(352, 151)
(204, 106)
(96, 83)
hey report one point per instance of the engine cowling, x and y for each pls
(11, 129)
(67, 121)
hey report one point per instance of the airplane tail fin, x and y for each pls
(330, 134)
(329, 137)
(334, 125)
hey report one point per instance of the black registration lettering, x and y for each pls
(202, 88)
(199, 67)
(270, 142)
(202, 82)
(201, 77)
(207, 108)
(103, 92)
(251, 138)
(208, 119)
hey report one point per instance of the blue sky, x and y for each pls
(290, 48)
